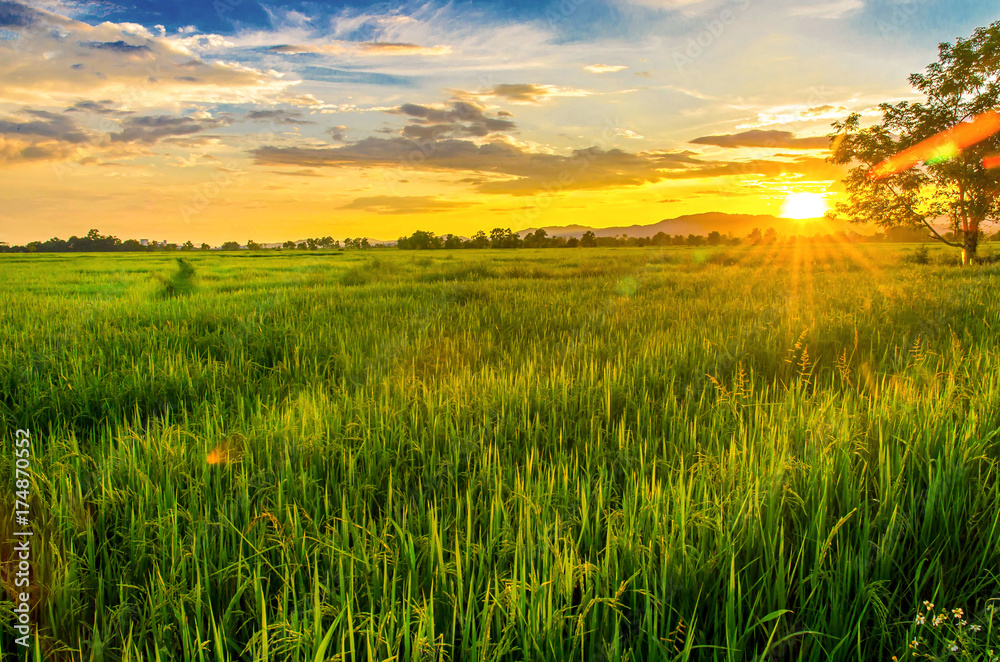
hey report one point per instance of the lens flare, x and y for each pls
(946, 145)
(992, 161)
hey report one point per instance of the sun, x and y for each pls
(804, 205)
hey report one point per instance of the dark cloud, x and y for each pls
(103, 107)
(458, 119)
(278, 116)
(403, 204)
(501, 167)
(515, 171)
(810, 167)
(149, 129)
(119, 46)
(48, 125)
(337, 133)
(758, 138)
(16, 15)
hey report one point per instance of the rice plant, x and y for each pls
(598, 454)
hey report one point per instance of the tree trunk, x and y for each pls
(969, 248)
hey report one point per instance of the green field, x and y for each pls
(592, 454)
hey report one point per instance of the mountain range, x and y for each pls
(739, 225)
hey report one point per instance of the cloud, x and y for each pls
(59, 60)
(45, 125)
(103, 107)
(829, 9)
(458, 118)
(403, 204)
(46, 136)
(120, 46)
(362, 48)
(757, 138)
(604, 68)
(523, 92)
(807, 167)
(16, 15)
(278, 116)
(799, 113)
(150, 129)
(503, 167)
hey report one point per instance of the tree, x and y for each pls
(952, 182)
(231, 246)
(480, 240)
(253, 245)
(589, 239)
(714, 238)
(205, 247)
(496, 237)
(755, 237)
(288, 244)
(188, 246)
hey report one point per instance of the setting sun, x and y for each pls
(804, 205)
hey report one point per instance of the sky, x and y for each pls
(219, 120)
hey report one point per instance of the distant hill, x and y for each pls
(738, 224)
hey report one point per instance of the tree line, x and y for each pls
(505, 238)
(95, 242)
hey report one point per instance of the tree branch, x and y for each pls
(922, 219)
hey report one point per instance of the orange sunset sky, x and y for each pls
(234, 120)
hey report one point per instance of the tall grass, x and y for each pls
(569, 455)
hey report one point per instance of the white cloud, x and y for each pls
(828, 9)
(604, 68)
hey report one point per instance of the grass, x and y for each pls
(594, 454)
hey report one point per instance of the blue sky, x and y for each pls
(215, 118)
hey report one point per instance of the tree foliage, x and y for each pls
(957, 188)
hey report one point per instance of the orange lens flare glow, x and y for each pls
(992, 161)
(946, 145)
(225, 452)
